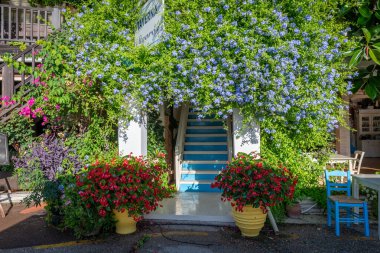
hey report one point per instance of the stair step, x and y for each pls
(194, 122)
(205, 127)
(198, 176)
(206, 143)
(191, 167)
(206, 139)
(206, 157)
(202, 135)
(206, 131)
(9, 49)
(206, 152)
(197, 186)
(205, 148)
(204, 162)
(200, 172)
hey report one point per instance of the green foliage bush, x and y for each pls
(83, 221)
(366, 30)
(20, 134)
(156, 141)
(280, 62)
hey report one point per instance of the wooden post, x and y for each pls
(343, 141)
(168, 136)
(8, 82)
(56, 18)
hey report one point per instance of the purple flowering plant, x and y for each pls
(42, 168)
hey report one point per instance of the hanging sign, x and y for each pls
(150, 27)
(4, 153)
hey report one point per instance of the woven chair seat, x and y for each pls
(335, 203)
(345, 199)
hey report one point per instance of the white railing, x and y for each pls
(229, 139)
(26, 24)
(179, 146)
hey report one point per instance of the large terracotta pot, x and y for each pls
(293, 210)
(250, 221)
(125, 224)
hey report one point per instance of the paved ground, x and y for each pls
(27, 232)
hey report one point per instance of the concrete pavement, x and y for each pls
(24, 230)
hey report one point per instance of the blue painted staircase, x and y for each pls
(205, 153)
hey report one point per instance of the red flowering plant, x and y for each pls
(248, 180)
(132, 184)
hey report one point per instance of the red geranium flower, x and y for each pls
(133, 184)
(248, 180)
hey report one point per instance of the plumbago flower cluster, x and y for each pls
(280, 62)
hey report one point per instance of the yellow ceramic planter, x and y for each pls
(250, 221)
(125, 224)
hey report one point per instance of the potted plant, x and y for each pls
(293, 205)
(293, 208)
(125, 189)
(252, 185)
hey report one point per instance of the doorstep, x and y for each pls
(193, 208)
(205, 208)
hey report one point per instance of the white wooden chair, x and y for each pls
(357, 164)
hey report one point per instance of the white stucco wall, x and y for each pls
(133, 139)
(246, 138)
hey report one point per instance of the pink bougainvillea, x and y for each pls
(31, 101)
(6, 101)
(25, 111)
(45, 120)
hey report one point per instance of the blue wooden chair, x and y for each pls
(337, 202)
